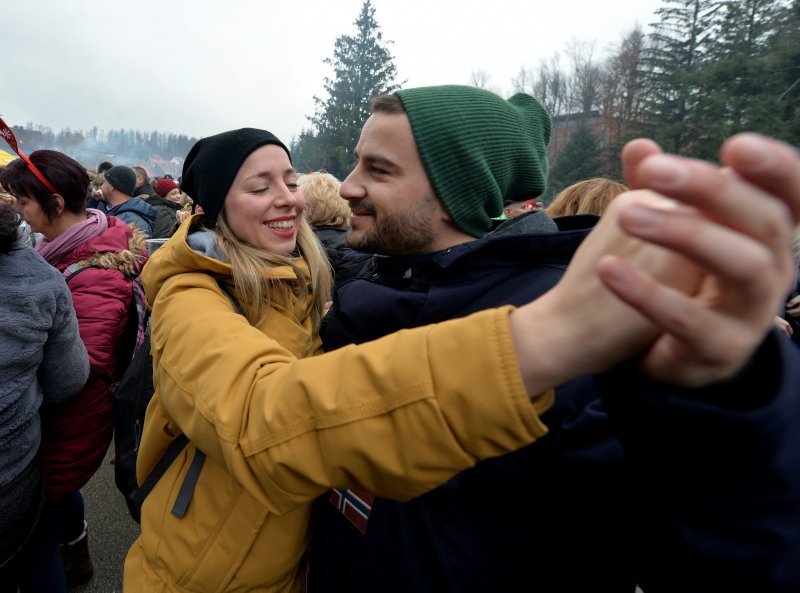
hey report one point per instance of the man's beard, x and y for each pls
(406, 232)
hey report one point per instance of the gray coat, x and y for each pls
(41, 354)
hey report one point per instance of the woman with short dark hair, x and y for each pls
(101, 255)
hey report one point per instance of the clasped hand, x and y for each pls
(684, 273)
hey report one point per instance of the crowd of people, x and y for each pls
(415, 379)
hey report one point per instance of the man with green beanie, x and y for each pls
(596, 505)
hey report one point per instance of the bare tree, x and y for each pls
(551, 86)
(523, 82)
(479, 78)
(586, 77)
(621, 94)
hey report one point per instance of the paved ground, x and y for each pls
(111, 530)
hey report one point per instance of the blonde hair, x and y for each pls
(324, 205)
(591, 196)
(248, 263)
(98, 180)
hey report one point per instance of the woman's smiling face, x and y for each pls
(264, 203)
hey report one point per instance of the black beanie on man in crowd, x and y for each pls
(212, 165)
(478, 149)
(122, 179)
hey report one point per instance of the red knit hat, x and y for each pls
(164, 186)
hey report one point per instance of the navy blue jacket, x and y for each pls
(136, 211)
(634, 483)
(345, 262)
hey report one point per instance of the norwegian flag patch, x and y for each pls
(355, 504)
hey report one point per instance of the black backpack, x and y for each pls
(131, 398)
(133, 390)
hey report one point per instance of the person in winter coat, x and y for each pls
(118, 190)
(271, 426)
(657, 473)
(166, 209)
(42, 359)
(329, 216)
(102, 256)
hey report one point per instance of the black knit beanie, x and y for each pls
(212, 165)
(478, 149)
(122, 179)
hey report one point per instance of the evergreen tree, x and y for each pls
(363, 68)
(581, 158)
(738, 76)
(676, 54)
(783, 65)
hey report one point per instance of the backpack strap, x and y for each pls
(160, 469)
(73, 270)
(179, 444)
(189, 483)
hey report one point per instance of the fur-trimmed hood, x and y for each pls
(119, 248)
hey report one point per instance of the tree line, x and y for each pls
(122, 147)
(706, 69)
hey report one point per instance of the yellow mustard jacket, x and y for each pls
(280, 426)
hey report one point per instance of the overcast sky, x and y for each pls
(199, 67)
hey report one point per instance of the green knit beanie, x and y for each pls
(478, 149)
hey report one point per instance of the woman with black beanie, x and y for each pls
(237, 296)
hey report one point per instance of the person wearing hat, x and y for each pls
(168, 189)
(166, 209)
(601, 502)
(237, 296)
(117, 191)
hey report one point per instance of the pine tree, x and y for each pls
(363, 69)
(738, 76)
(581, 158)
(783, 63)
(672, 63)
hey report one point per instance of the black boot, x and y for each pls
(77, 562)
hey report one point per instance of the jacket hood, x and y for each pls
(535, 222)
(137, 206)
(193, 249)
(119, 248)
(144, 189)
